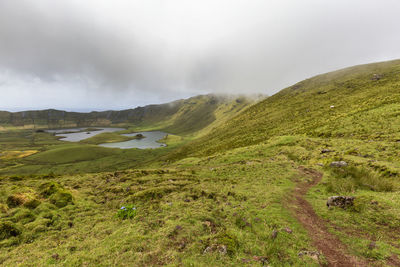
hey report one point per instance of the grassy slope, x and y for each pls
(363, 109)
(231, 186)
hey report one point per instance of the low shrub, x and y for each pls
(57, 194)
(61, 199)
(28, 200)
(8, 229)
(351, 178)
(23, 216)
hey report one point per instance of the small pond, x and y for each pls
(149, 141)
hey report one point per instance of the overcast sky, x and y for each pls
(101, 54)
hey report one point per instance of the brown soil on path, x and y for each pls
(331, 247)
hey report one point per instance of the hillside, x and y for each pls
(179, 117)
(360, 102)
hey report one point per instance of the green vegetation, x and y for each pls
(108, 138)
(127, 212)
(229, 189)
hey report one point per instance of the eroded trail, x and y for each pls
(330, 246)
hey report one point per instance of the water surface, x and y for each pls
(149, 141)
(76, 134)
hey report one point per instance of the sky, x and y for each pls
(101, 54)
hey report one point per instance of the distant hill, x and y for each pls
(358, 102)
(182, 116)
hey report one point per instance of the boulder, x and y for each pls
(376, 77)
(339, 164)
(340, 201)
(325, 150)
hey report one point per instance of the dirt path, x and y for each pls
(331, 247)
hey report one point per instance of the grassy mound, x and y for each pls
(69, 154)
(107, 138)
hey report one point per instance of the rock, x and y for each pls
(274, 234)
(288, 230)
(56, 256)
(332, 106)
(340, 201)
(312, 254)
(376, 77)
(262, 259)
(372, 245)
(325, 150)
(222, 249)
(339, 164)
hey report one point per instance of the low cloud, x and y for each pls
(98, 54)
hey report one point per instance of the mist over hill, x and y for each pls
(180, 116)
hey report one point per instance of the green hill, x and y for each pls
(360, 102)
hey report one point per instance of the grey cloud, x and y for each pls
(160, 49)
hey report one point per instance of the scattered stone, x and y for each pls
(274, 234)
(222, 249)
(187, 200)
(312, 254)
(55, 256)
(320, 164)
(340, 201)
(339, 164)
(374, 202)
(182, 245)
(372, 245)
(332, 106)
(262, 259)
(246, 260)
(178, 227)
(288, 230)
(376, 77)
(325, 150)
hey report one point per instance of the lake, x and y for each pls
(77, 134)
(149, 141)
